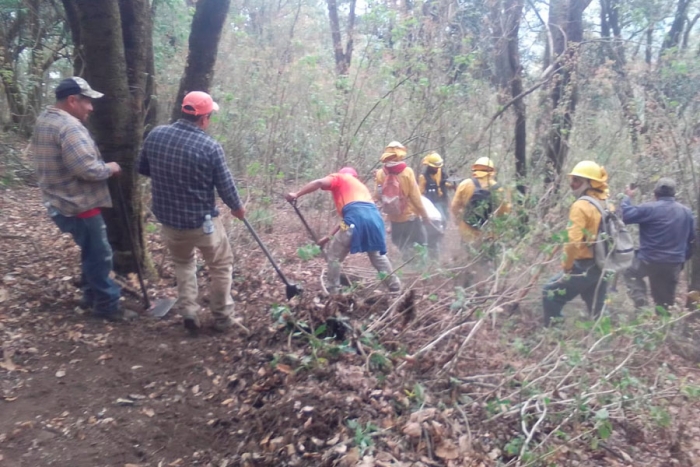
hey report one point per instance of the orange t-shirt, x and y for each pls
(347, 189)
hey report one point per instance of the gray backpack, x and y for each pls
(614, 247)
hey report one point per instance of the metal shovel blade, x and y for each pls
(161, 307)
(293, 290)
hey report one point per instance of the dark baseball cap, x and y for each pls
(73, 86)
(665, 182)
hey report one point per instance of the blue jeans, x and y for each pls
(585, 280)
(100, 291)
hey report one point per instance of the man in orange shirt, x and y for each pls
(361, 228)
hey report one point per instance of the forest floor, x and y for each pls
(374, 385)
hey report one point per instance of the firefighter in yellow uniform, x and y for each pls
(434, 185)
(406, 224)
(483, 175)
(580, 275)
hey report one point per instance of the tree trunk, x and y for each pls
(694, 272)
(514, 9)
(117, 120)
(674, 34)
(342, 57)
(566, 24)
(207, 24)
(29, 29)
(505, 24)
(72, 18)
(615, 50)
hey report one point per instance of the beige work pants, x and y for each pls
(218, 257)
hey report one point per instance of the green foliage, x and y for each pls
(280, 313)
(660, 416)
(513, 447)
(602, 424)
(416, 395)
(308, 252)
(362, 435)
(260, 218)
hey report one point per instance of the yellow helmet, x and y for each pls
(394, 151)
(589, 170)
(433, 160)
(483, 162)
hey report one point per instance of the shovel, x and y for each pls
(344, 279)
(308, 227)
(161, 307)
(292, 290)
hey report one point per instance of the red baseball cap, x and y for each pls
(348, 171)
(198, 103)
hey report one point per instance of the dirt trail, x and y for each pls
(79, 392)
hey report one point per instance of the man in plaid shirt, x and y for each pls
(73, 181)
(186, 165)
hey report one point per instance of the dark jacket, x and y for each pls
(666, 229)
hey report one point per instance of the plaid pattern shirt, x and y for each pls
(71, 173)
(186, 165)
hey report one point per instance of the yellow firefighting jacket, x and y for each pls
(584, 221)
(464, 193)
(409, 188)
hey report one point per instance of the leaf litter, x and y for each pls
(365, 379)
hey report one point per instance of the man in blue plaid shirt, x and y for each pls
(186, 165)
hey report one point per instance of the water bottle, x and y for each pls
(53, 212)
(208, 226)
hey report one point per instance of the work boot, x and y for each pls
(122, 314)
(85, 303)
(222, 323)
(192, 324)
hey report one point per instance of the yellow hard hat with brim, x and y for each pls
(589, 170)
(394, 151)
(433, 160)
(483, 163)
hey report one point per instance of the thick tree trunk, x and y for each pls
(207, 24)
(566, 24)
(343, 56)
(72, 17)
(615, 51)
(117, 120)
(137, 27)
(674, 34)
(26, 34)
(694, 273)
(505, 24)
(343, 59)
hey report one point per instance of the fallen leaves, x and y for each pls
(447, 450)
(286, 369)
(7, 363)
(105, 356)
(412, 429)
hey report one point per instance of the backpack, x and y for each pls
(394, 202)
(614, 246)
(432, 188)
(480, 206)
